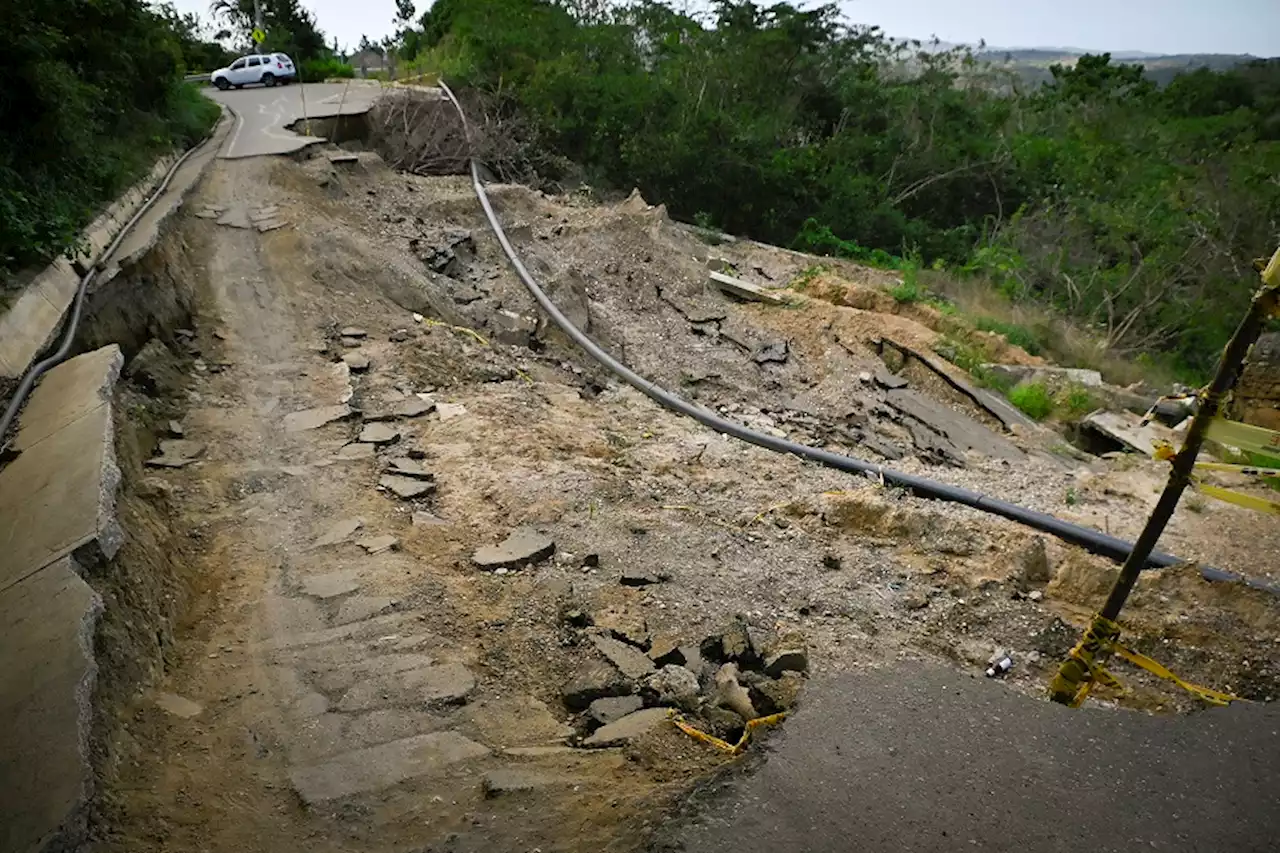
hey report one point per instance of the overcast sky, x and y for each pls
(1154, 26)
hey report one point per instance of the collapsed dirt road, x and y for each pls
(377, 402)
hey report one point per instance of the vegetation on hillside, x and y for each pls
(1133, 209)
(90, 94)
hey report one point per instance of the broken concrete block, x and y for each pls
(788, 660)
(315, 418)
(330, 585)
(378, 544)
(629, 660)
(612, 708)
(379, 433)
(339, 531)
(522, 548)
(675, 685)
(497, 783)
(445, 684)
(379, 767)
(628, 728)
(406, 487)
(58, 497)
(594, 679)
(357, 361)
(405, 467)
(47, 675)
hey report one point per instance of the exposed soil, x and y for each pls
(545, 440)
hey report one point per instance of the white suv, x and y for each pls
(267, 69)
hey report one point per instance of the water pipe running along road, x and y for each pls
(1087, 538)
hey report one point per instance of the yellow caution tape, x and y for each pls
(1083, 668)
(1271, 273)
(463, 330)
(1252, 502)
(725, 746)
(1246, 470)
(1244, 436)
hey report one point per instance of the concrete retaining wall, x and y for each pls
(57, 513)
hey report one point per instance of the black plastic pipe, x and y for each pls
(1085, 537)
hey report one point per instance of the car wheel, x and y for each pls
(222, 84)
(268, 80)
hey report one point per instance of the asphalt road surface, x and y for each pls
(262, 114)
(920, 758)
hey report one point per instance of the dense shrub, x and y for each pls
(323, 68)
(90, 94)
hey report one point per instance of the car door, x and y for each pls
(235, 72)
(252, 70)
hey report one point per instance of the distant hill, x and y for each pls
(1032, 64)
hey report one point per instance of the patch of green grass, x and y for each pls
(1015, 334)
(1071, 498)
(806, 276)
(1075, 401)
(1032, 399)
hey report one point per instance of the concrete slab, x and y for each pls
(69, 392)
(745, 290)
(1127, 429)
(378, 767)
(58, 497)
(47, 675)
(445, 684)
(32, 321)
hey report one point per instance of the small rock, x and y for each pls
(790, 660)
(357, 361)
(915, 600)
(865, 377)
(176, 430)
(178, 706)
(399, 336)
(339, 532)
(449, 411)
(732, 695)
(594, 679)
(723, 723)
(522, 548)
(775, 352)
(613, 708)
(1035, 595)
(352, 343)
(675, 685)
(379, 433)
(354, 332)
(378, 544)
(406, 487)
(635, 577)
(177, 453)
(831, 563)
(773, 696)
(629, 660)
(628, 728)
(1033, 562)
(426, 519)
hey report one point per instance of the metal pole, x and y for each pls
(1074, 676)
(257, 24)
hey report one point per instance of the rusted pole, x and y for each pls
(1070, 684)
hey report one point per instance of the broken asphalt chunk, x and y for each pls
(522, 548)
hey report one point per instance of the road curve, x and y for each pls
(263, 115)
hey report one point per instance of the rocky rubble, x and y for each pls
(739, 673)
